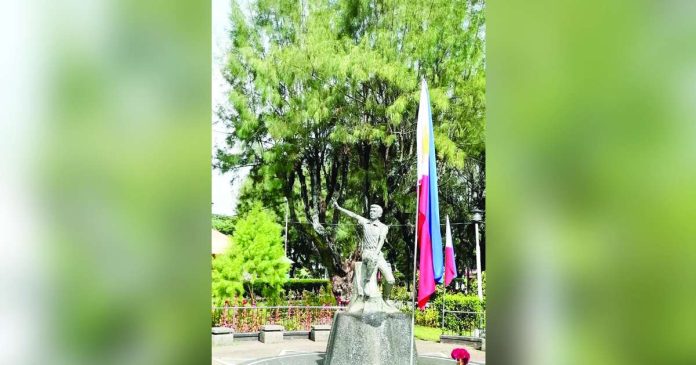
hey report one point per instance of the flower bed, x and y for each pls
(293, 318)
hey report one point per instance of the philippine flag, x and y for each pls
(428, 225)
(450, 266)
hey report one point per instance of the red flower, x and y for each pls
(461, 355)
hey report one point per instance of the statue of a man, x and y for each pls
(374, 236)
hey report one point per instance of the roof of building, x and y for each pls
(220, 242)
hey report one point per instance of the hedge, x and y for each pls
(455, 323)
(313, 285)
(296, 285)
(460, 323)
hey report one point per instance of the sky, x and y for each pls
(225, 187)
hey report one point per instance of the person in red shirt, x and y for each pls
(461, 355)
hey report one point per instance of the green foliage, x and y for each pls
(223, 224)
(460, 302)
(324, 108)
(325, 296)
(399, 293)
(303, 273)
(251, 318)
(400, 278)
(455, 323)
(316, 291)
(314, 285)
(460, 323)
(256, 255)
(428, 317)
(321, 297)
(460, 281)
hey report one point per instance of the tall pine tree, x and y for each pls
(324, 99)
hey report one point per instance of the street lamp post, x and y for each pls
(478, 218)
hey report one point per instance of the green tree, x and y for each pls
(324, 101)
(223, 224)
(256, 255)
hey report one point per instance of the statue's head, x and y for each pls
(375, 211)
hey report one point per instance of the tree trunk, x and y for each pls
(365, 162)
(342, 285)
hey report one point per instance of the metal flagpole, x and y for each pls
(479, 286)
(415, 237)
(444, 292)
(477, 218)
(415, 254)
(444, 272)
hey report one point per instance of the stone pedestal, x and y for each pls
(222, 336)
(375, 338)
(271, 333)
(320, 332)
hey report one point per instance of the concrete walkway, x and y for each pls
(250, 350)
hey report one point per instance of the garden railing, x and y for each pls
(463, 323)
(293, 318)
(301, 318)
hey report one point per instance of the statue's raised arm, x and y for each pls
(350, 214)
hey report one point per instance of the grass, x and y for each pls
(427, 333)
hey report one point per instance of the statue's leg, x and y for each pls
(387, 275)
(358, 281)
(357, 297)
(370, 274)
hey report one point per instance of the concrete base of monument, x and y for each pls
(320, 359)
(370, 338)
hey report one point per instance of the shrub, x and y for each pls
(400, 294)
(325, 296)
(460, 323)
(223, 224)
(302, 273)
(251, 318)
(400, 278)
(457, 323)
(473, 285)
(295, 288)
(429, 317)
(255, 256)
(216, 317)
(313, 285)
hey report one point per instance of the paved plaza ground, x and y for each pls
(242, 351)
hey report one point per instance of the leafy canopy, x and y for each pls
(324, 99)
